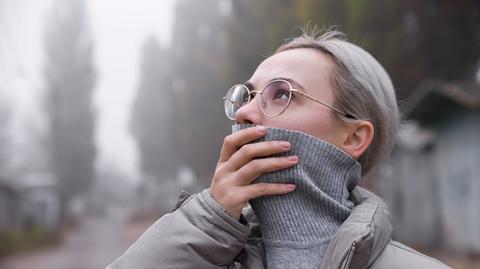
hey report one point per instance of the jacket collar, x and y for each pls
(363, 236)
(359, 240)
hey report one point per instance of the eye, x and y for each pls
(277, 93)
(281, 94)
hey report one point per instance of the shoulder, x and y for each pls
(397, 255)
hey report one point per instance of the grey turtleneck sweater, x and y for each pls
(298, 226)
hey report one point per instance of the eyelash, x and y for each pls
(293, 95)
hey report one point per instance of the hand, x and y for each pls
(239, 165)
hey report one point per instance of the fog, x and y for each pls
(108, 109)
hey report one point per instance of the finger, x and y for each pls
(249, 152)
(262, 189)
(233, 142)
(255, 168)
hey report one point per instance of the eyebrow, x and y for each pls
(295, 84)
(249, 85)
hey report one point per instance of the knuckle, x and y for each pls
(220, 170)
(255, 165)
(273, 144)
(216, 180)
(218, 175)
(280, 161)
(227, 141)
(221, 181)
(242, 173)
(252, 131)
(262, 189)
(283, 162)
(247, 150)
(242, 197)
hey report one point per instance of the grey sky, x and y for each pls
(119, 28)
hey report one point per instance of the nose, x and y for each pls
(250, 113)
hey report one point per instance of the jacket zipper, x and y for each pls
(350, 254)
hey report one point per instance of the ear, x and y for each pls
(359, 137)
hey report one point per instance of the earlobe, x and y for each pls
(360, 137)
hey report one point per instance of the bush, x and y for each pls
(14, 240)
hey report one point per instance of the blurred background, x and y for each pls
(109, 108)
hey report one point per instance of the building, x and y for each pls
(31, 199)
(432, 181)
(8, 197)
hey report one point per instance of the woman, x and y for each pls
(312, 119)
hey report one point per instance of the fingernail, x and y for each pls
(261, 129)
(293, 158)
(285, 144)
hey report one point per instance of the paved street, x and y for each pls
(96, 243)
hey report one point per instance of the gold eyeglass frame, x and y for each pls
(291, 91)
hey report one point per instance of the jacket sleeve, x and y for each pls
(198, 234)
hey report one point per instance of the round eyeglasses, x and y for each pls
(274, 99)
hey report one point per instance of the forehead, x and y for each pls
(308, 67)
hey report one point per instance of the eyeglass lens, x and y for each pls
(275, 98)
(236, 97)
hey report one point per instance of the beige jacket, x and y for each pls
(199, 233)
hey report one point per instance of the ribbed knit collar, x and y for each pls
(312, 213)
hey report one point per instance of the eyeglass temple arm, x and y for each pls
(329, 106)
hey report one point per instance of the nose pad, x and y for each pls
(250, 113)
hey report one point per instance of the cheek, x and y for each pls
(324, 127)
(319, 124)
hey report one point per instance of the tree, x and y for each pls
(4, 137)
(70, 79)
(414, 40)
(198, 78)
(152, 114)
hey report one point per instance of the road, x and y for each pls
(93, 245)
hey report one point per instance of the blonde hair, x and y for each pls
(362, 88)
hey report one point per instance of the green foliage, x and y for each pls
(14, 240)
(412, 40)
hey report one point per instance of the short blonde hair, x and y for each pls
(362, 88)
